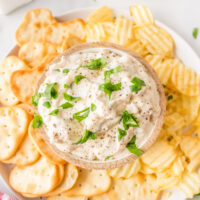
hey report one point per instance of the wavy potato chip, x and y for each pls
(34, 52)
(9, 65)
(126, 171)
(138, 47)
(103, 14)
(137, 187)
(190, 184)
(123, 31)
(160, 156)
(170, 177)
(58, 32)
(36, 179)
(163, 66)
(26, 154)
(155, 39)
(43, 147)
(13, 128)
(95, 32)
(70, 178)
(24, 92)
(174, 122)
(64, 197)
(186, 81)
(190, 107)
(141, 15)
(90, 183)
(33, 26)
(145, 169)
(191, 148)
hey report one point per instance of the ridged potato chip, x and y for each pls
(138, 47)
(36, 179)
(64, 197)
(33, 26)
(70, 178)
(141, 15)
(160, 156)
(190, 184)
(174, 122)
(24, 92)
(125, 171)
(191, 148)
(103, 14)
(123, 31)
(90, 183)
(9, 65)
(34, 52)
(56, 33)
(109, 30)
(170, 177)
(145, 169)
(95, 32)
(190, 107)
(155, 39)
(186, 81)
(138, 187)
(163, 66)
(43, 147)
(13, 128)
(26, 154)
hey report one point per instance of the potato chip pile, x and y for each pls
(171, 162)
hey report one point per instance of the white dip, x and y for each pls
(64, 130)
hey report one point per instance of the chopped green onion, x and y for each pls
(122, 133)
(108, 88)
(93, 107)
(137, 84)
(108, 73)
(70, 98)
(65, 71)
(78, 78)
(86, 136)
(50, 91)
(129, 120)
(47, 104)
(54, 112)
(107, 158)
(84, 115)
(195, 32)
(66, 105)
(36, 98)
(96, 64)
(131, 146)
(37, 121)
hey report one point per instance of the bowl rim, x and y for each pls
(151, 137)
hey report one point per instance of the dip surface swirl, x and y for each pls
(105, 99)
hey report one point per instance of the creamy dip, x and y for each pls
(103, 114)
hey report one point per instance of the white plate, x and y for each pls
(183, 51)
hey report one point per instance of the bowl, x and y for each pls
(150, 137)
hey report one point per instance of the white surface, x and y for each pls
(6, 6)
(161, 10)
